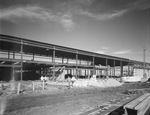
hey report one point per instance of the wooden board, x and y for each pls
(139, 106)
(143, 106)
(135, 102)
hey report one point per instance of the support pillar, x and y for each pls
(13, 73)
(110, 71)
(76, 64)
(132, 70)
(121, 69)
(88, 73)
(67, 60)
(13, 55)
(106, 67)
(129, 68)
(114, 68)
(21, 60)
(62, 60)
(144, 65)
(93, 66)
(8, 54)
(53, 60)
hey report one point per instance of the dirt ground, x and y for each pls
(60, 100)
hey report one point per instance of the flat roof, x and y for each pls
(47, 48)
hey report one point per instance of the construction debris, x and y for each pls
(110, 82)
(143, 78)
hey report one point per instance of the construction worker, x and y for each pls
(73, 79)
(42, 78)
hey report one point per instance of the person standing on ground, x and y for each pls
(73, 79)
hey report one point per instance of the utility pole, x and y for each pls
(144, 60)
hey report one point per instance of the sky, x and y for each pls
(113, 27)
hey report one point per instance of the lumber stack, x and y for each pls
(139, 106)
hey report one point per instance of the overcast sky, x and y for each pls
(113, 27)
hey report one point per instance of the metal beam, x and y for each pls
(10, 65)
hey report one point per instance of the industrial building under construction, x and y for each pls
(24, 59)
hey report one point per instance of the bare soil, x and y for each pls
(60, 100)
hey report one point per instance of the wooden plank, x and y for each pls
(143, 106)
(135, 102)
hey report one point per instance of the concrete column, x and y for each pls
(76, 64)
(8, 54)
(80, 62)
(132, 70)
(62, 60)
(144, 65)
(67, 60)
(106, 67)
(110, 71)
(54, 53)
(114, 68)
(13, 73)
(93, 65)
(13, 55)
(88, 73)
(21, 60)
(121, 69)
(129, 68)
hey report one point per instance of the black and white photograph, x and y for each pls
(74, 57)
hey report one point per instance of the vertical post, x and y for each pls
(88, 70)
(144, 60)
(54, 53)
(106, 67)
(21, 59)
(93, 65)
(33, 86)
(8, 54)
(110, 71)
(76, 64)
(62, 60)
(80, 62)
(88, 74)
(18, 89)
(67, 60)
(13, 55)
(132, 70)
(114, 68)
(67, 71)
(121, 69)
(13, 73)
(129, 68)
